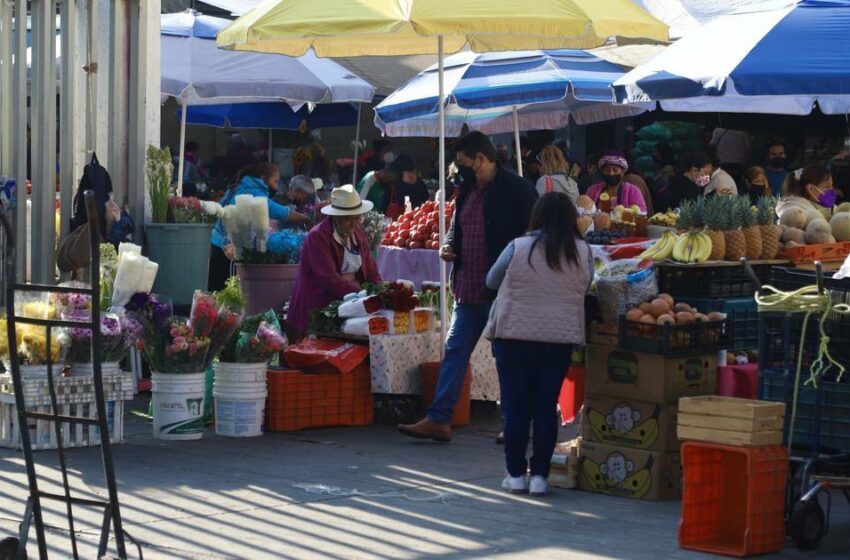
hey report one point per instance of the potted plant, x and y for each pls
(179, 236)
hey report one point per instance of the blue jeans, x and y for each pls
(468, 322)
(530, 377)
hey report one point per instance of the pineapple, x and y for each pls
(770, 232)
(752, 232)
(716, 219)
(691, 215)
(736, 242)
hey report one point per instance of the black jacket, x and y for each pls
(507, 211)
(671, 195)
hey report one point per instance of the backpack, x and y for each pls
(96, 179)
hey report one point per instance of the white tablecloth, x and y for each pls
(395, 361)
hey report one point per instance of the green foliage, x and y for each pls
(159, 171)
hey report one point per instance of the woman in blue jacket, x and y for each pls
(258, 179)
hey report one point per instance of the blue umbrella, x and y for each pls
(780, 61)
(277, 116)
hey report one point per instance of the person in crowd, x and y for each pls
(493, 207)
(613, 165)
(554, 174)
(693, 177)
(301, 192)
(335, 259)
(720, 183)
(503, 155)
(775, 170)
(732, 149)
(755, 183)
(637, 180)
(531, 166)
(379, 187)
(382, 154)
(411, 185)
(809, 188)
(537, 317)
(259, 179)
(591, 174)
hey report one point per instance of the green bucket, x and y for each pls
(183, 254)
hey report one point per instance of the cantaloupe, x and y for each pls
(813, 215)
(818, 231)
(840, 224)
(794, 235)
(794, 217)
(843, 207)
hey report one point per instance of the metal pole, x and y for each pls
(271, 133)
(20, 139)
(68, 119)
(6, 36)
(442, 174)
(182, 148)
(356, 145)
(516, 143)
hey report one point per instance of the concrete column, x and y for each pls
(71, 110)
(6, 37)
(19, 136)
(119, 84)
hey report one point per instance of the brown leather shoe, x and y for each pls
(427, 429)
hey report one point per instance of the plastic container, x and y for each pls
(240, 395)
(183, 254)
(733, 500)
(267, 286)
(178, 405)
(742, 319)
(823, 252)
(683, 281)
(673, 341)
(87, 370)
(571, 397)
(741, 381)
(430, 373)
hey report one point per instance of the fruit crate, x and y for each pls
(781, 337)
(742, 319)
(673, 341)
(822, 422)
(714, 280)
(297, 400)
(733, 499)
(823, 252)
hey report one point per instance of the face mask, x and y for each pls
(777, 162)
(827, 198)
(612, 180)
(389, 157)
(757, 189)
(703, 180)
(465, 176)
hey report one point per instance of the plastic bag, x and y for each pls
(623, 284)
(341, 357)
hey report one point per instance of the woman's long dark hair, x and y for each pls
(556, 217)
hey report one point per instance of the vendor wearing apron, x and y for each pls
(613, 165)
(335, 260)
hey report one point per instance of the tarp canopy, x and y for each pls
(278, 116)
(780, 61)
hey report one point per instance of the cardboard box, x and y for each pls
(629, 423)
(631, 375)
(731, 421)
(564, 470)
(629, 473)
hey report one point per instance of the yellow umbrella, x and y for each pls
(346, 28)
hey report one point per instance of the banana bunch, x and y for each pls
(641, 436)
(692, 247)
(597, 477)
(661, 249)
(666, 219)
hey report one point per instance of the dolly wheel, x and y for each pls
(9, 549)
(807, 525)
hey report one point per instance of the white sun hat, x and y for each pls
(346, 202)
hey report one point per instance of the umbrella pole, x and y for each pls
(271, 132)
(516, 143)
(442, 174)
(182, 149)
(356, 146)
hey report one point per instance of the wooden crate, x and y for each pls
(731, 421)
(564, 470)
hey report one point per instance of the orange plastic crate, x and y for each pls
(297, 400)
(823, 252)
(430, 375)
(733, 499)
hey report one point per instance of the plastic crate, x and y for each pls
(742, 319)
(430, 375)
(780, 340)
(298, 400)
(727, 280)
(733, 499)
(823, 252)
(673, 341)
(823, 413)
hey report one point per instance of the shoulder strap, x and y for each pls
(548, 180)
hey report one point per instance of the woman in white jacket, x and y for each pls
(537, 317)
(554, 175)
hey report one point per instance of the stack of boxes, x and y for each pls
(629, 444)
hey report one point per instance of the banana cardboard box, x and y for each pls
(630, 423)
(564, 468)
(629, 473)
(647, 377)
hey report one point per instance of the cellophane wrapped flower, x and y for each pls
(227, 321)
(258, 339)
(187, 210)
(204, 313)
(33, 347)
(71, 302)
(184, 352)
(154, 314)
(374, 225)
(112, 347)
(108, 268)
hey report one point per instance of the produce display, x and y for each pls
(810, 227)
(665, 219)
(419, 229)
(663, 326)
(665, 310)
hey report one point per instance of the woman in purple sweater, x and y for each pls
(613, 165)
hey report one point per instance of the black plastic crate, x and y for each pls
(727, 280)
(742, 319)
(823, 413)
(673, 341)
(780, 340)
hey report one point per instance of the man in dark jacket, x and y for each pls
(493, 207)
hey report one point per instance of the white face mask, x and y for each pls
(389, 157)
(703, 180)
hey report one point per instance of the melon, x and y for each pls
(840, 224)
(794, 217)
(584, 223)
(818, 231)
(794, 235)
(843, 207)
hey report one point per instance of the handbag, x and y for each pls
(74, 251)
(394, 209)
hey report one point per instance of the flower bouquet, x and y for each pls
(108, 268)
(187, 210)
(118, 333)
(257, 340)
(135, 274)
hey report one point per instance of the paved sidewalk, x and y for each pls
(349, 493)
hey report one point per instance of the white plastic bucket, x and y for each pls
(178, 405)
(87, 370)
(240, 399)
